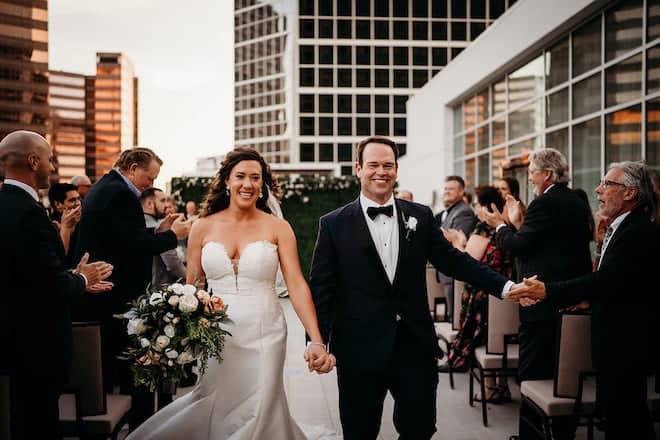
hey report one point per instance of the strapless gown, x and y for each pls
(241, 398)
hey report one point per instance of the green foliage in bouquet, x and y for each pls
(170, 327)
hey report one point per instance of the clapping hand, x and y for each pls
(527, 293)
(95, 273)
(318, 359)
(512, 213)
(495, 218)
(456, 237)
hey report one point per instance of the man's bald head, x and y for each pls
(26, 156)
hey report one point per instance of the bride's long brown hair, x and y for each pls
(217, 198)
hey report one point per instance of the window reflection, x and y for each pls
(499, 97)
(653, 134)
(498, 157)
(586, 96)
(470, 174)
(499, 131)
(526, 82)
(623, 81)
(586, 47)
(557, 107)
(526, 120)
(482, 106)
(556, 64)
(484, 170)
(469, 109)
(623, 137)
(483, 137)
(586, 157)
(623, 28)
(470, 141)
(653, 70)
(558, 140)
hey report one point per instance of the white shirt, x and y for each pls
(385, 234)
(27, 188)
(614, 225)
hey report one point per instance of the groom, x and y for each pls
(368, 284)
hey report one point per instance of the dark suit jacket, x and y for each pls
(37, 291)
(459, 216)
(112, 229)
(553, 243)
(623, 294)
(355, 301)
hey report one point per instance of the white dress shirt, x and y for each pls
(614, 225)
(385, 234)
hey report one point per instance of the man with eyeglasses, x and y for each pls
(624, 340)
(553, 244)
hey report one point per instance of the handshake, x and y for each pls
(318, 359)
(532, 290)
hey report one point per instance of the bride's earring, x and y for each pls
(261, 194)
(227, 191)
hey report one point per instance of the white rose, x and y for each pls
(203, 296)
(189, 289)
(136, 326)
(144, 342)
(173, 300)
(188, 303)
(412, 223)
(184, 358)
(171, 353)
(162, 341)
(169, 331)
(177, 288)
(155, 298)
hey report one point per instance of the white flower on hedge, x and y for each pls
(136, 326)
(173, 300)
(170, 363)
(188, 303)
(144, 342)
(171, 353)
(156, 298)
(203, 296)
(189, 289)
(177, 288)
(162, 341)
(169, 331)
(184, 358)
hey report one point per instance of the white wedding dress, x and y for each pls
(241, 398)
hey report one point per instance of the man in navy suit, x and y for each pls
(113, 228)
(37, 289)
(369, 287)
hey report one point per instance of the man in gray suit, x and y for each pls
(456, 215)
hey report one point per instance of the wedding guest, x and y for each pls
(167, 267)
(113, 228)
(191, 210)
(37, 289)
(65, 213)
(404, 194)
(82, 183)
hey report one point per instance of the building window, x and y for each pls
(420, 30)
(344, 78)
(439, 56)
(344, 29)
(458, 9)
(363, 126)
(382, 104)
(307, 103)
(363, 55)
(400, 103)
(344, 153)
(346, 170)
(362, 8)
(344, 8)
(362, 29)
(382, 126)
(362, 78)
(325, 104)
(623, 28)
(557, 107)
(307, 77)
(400, 56)
(400, 8)
(306, 28)
(326, 126)
(401, 78)
(326, 153)
(306, 54)
(306, 7)
(586, 96)
(363, 103)
(325, 29)
(496, 8)
(325, 55)
(623, 81)
(344, 55)
(420, 77)
(381, 78)
(307, 153)
(400, 30)
(476, 28)
(420, 56)
(586, 47)
(325, 7)
(325, 78)
(403, 149)
(381, 29)
(556, 62)
(344, 103)
(306, 126)
(458, 31)
(344, 126)
(623, 137)
(399, 127)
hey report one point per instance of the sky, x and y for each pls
(182, 53)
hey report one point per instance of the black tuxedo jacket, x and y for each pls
(37, 291)
(112, 229)
(553, 243)
(357, 306)
(623, 294)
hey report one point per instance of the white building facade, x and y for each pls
(577, 75)
(313, 77)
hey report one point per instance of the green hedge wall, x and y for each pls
(304, 201)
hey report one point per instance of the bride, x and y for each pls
(237, 245)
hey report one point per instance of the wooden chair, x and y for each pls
(573, 389)
(499, 357)
(447, 331)
(85, 410)
(435, 293)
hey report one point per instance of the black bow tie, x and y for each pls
(373, 212)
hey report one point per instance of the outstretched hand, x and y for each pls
(527, 293)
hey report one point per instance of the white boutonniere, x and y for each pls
(410, 225)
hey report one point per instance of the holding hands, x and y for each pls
(318, 359)
(527, 293)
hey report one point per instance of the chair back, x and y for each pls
(87, 369)
(459, 288)
(434, 288)
(574, 355)
(503, 320)
(5, 405)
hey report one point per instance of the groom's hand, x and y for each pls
(318, 359)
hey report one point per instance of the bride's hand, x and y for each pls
(318, 359)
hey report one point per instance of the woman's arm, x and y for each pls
(194, 272)
(476, 246)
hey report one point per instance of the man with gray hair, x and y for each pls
(82, 183)
(552, 243)
(625, 274)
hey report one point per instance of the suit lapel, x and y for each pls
(404, 244)
(364, 240)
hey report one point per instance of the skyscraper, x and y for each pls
(111, 112)
(67, 127)
(313, 77)
(23, 66)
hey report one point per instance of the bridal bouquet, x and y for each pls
(170, 327)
